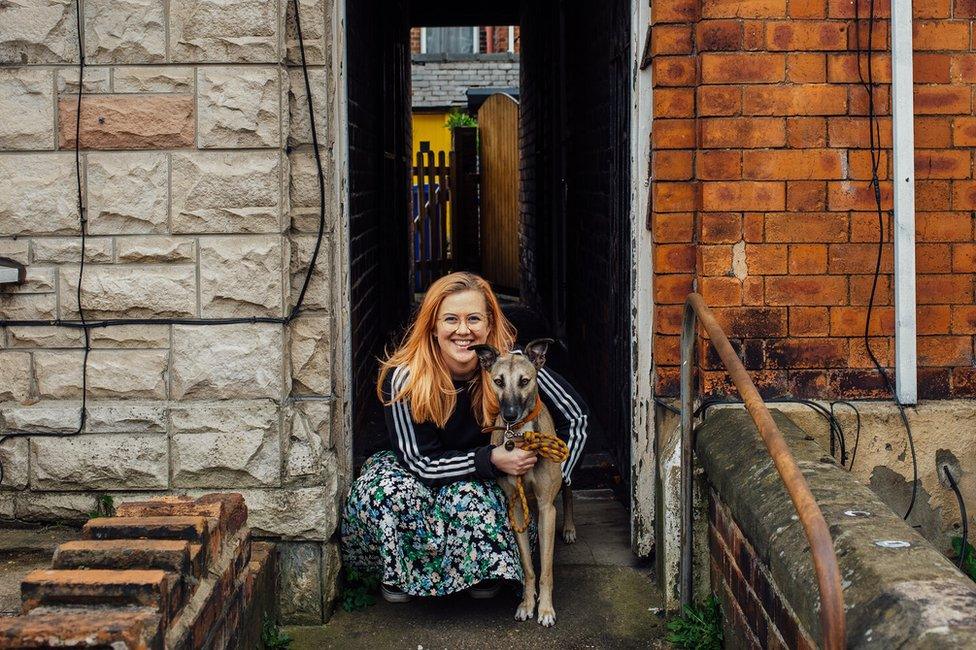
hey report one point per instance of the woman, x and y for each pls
(428, 518)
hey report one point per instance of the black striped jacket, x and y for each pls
(460, 451)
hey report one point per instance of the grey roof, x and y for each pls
(442, 82)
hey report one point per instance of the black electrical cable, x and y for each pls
(857, 431)
(86, 325)
(962, 512)
(874, 142)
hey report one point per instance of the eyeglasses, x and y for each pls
(475, 322)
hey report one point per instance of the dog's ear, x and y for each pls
(536, 351)
(486, 355)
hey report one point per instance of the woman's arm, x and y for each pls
(569, 413)
(418, 447)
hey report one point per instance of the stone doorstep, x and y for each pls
(144, 587)
(229, 509)
(177, 556)
(47, 627)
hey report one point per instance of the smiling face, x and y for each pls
(462, 322)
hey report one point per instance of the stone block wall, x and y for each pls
(762, 197)
(202, 201)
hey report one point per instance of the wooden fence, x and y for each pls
(432, 236)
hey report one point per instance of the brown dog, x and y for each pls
(514, 379)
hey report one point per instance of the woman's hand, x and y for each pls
(515, 462)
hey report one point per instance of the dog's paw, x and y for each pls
(547, 616)
(569, 535)
(524, 611)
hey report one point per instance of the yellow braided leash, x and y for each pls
(550, 447)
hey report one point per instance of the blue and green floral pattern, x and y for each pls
(426, 541)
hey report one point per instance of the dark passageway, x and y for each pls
(574, 197)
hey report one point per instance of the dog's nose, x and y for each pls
(511, 413)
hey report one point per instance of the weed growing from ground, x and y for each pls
(357, 590)
(272, 637)
(698, 627)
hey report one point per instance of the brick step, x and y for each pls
(191, 529)
(92, 587)
(65, 627)
(228, 509)
(177, 556)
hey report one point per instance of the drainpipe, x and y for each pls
(489, 40)
(903, 150)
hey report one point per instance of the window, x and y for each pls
(449, 40)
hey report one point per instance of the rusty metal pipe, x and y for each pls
(832, 619)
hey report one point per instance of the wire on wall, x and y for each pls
(86, 325)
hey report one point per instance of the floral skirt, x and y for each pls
(426, 541)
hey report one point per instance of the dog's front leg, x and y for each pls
(547, 539)
(527, 607)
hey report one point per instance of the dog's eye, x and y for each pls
(523, 382)
(499, 382)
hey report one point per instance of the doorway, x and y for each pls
(575, 237)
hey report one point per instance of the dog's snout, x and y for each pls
(511, 412)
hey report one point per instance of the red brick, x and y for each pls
(673, 134)
(964, 258)
(721, 68)
(721, 291)
(861, 162)
(721, 228)
(859, 358)
(933, 163)
(674, 102)
(674, 71)
(667, 319)
(964, 131)
(666, 381)
(674, 227)
(808, 259)
(964, 8)
(846, 9)
(942, 100)
(814, 227)
(807, 9)
(963, 195)
(932, 8)
(806, 132)
(963, 382)
(742, 132)
(809, 321)
(930, 68)
(785, 164)
(806, 196)
(752, 322)
(105, 627)
(807, 353)
(806, 68)
(944, 227)
(719, 100)
(819, 99)
(853, 132)
(861, 289)
(175, 556)
(143, 587)
(962, 68)
(674, 258)
(719, 165)
(963, 319)
(675, 197)
(716, 260)
(940, 35)
(846, 195)
(719, 35)
(752, 35)
(753, 291)
(934, 132)
(879, 36)
(849, 321)
(753, 224)
(858, 100)
(674, 11)
(858, 258)
(843, 68)
(806, 35)
(944, 289)
(671, 289)
(933, 195)
(743, 195)
(861, 384)
(672, 165)
(950, 351)
(743, 8)
(672, 39)
(129, 122)
(933, 258)
(667, 350)
(806, 290)
(766, 259)
(933, 319)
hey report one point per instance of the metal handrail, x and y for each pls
(832, 620)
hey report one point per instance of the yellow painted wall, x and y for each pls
(430, 127)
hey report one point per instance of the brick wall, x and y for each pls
(200, 184)
(761, 196)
